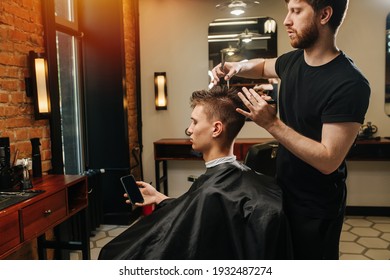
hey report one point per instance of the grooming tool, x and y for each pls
(222, 65)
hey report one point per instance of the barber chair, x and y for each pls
(262, 158)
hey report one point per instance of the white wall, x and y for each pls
(173, 36)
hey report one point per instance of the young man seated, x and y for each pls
(230, 212)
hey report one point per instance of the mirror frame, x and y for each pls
(387, 71)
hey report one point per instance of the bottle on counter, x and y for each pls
(36, 158)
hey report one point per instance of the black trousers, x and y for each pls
(314, 238)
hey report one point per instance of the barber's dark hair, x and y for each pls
(339, 10)
(220, 103)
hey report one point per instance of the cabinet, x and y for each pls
(10, 231)
(42, 214)
(60, 197)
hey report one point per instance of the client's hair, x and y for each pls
(220, 103)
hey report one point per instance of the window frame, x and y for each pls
(51, 25)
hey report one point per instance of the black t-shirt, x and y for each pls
(309, 97)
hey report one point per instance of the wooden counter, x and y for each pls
(63, 196)
(377, 149)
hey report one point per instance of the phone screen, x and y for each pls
(131, 188)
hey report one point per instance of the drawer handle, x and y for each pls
(47, 212)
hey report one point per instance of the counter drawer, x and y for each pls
(38, 217)
(10, 232)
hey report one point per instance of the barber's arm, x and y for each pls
(326, 156)
(252, 69)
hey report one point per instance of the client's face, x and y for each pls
(201, 130)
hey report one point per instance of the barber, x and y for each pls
(323, 101)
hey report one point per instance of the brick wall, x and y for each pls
(130, 12)
(21, 30)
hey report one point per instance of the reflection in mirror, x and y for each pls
(237, 39)
(387, 92)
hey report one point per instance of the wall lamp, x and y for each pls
(37, 85)
(160, 90)
(269, 26)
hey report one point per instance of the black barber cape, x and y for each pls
(230, 212)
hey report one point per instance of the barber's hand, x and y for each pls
(228, 71)
(262, 113)
(263, 87)
(149, 193)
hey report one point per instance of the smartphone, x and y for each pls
(132, 189)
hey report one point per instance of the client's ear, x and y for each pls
(218, 128)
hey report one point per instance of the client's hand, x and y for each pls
(150, 194)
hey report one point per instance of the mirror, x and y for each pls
(237, 39)
(387, 87)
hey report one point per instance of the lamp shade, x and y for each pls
(37, 85)
(160, 90)
(237, 7)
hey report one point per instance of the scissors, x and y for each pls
(222, 65)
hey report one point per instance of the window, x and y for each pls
(66, 13)
(69, 90)
(67, 44)
(63, 47)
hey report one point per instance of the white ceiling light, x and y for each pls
(246, 36)
(229, 51)
(237, 7)
(218, 22)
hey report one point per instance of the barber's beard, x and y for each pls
(306, 38)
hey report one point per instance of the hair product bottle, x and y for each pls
(36, 158)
